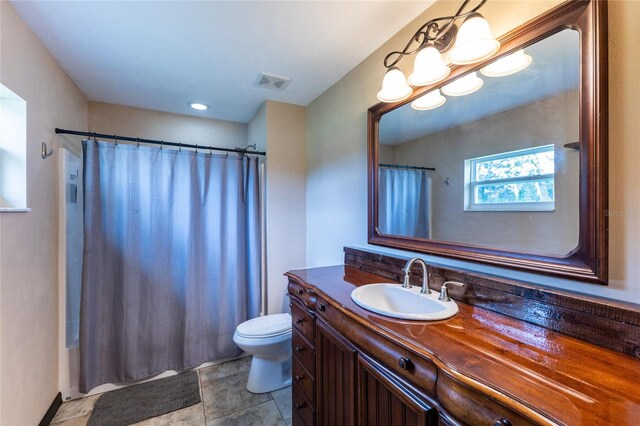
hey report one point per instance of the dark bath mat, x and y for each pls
(151, 399)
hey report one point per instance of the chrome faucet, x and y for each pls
(425, 275)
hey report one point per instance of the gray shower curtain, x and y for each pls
(405, 202)
(171, 259)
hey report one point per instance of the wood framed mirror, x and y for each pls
(513, 174)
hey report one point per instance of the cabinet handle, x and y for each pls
(298, 349)
(299, 291)
(503, 422)
(299, 378)
(404, 363)
(322, 307)
(299, 405)
(299, 320)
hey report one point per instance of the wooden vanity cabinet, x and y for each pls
(384, 399)
(354, 367)
(336, 383)
(303, 365)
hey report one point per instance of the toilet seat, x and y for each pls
(265, 326)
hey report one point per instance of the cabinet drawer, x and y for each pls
(305, 380)
(303, 321)
(401, 361)
(474, 408)
(301, 293)
(303, 352)
(301, 407)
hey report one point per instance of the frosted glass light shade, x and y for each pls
(394, 86)
(428, 101)
(463, 86)
(508, 65)
(474, 42)
(428, 67)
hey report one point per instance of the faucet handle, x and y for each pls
(444, 291)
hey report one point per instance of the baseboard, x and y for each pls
(51, 412)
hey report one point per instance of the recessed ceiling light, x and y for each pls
(198, 106)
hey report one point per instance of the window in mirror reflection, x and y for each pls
(520, 180)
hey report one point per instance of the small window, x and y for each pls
(13, 151)
(511, 181)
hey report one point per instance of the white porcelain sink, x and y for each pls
(404, 303)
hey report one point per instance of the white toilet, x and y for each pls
(268, 339)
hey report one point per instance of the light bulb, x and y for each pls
(508, 65)
(394, 86)
(431, 100)
(463, 86)
(474, 41)
(428, 67)
(198, 106)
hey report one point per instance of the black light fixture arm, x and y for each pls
(433, 31)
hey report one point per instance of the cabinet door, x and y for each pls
(385, 399)
(335, 378)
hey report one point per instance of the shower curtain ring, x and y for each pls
(210, 150)
(180, 147)
(161, 142)
(115, 137)
(138, 142)
(196, 148)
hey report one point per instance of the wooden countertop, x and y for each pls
(574, 382)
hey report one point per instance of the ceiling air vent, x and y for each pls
(272, 82)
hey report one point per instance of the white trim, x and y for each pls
(14, 210)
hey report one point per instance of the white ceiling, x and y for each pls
(161, 55)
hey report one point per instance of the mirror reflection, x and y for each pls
(492, 158)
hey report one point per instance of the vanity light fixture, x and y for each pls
(508, 65)
(431, 100)
(198, 106)
(472, 43)
(464, 85)
(428, 67)
(394, 86)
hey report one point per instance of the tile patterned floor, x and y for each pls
(225, 402)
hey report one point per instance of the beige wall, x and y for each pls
(337, 154)
(29, 241)
(279, 129)
(144, 123)
(553, 232)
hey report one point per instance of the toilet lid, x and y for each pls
(266, 326)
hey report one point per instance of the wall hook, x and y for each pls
(44, 151)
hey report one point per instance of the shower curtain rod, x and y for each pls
(398, 166)
(156, 142)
